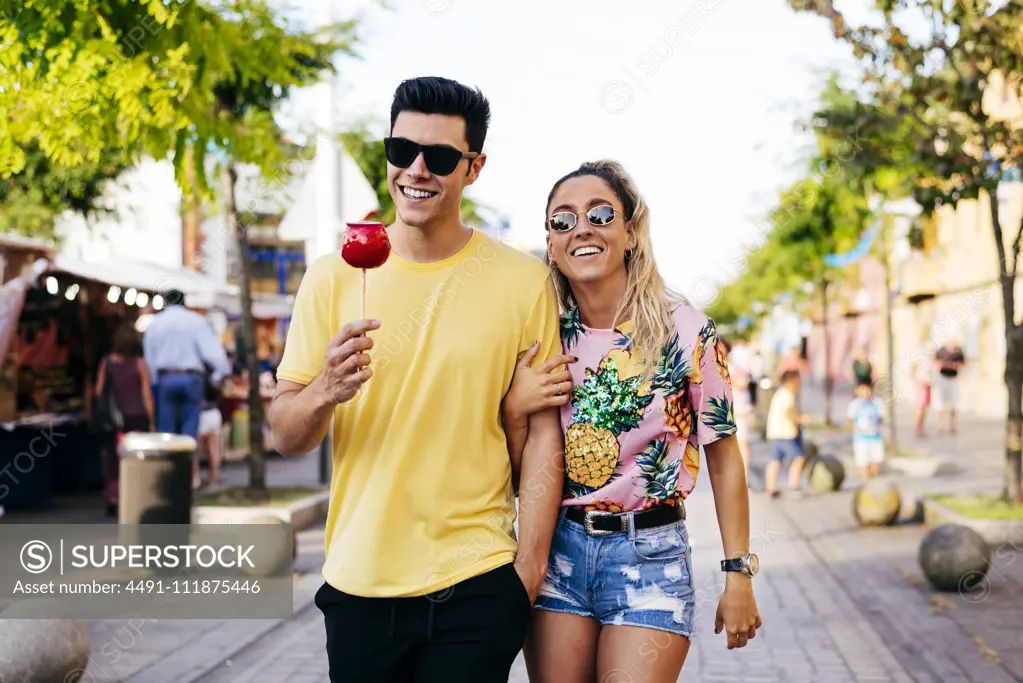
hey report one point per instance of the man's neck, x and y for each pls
(599, 301)
(428, 244)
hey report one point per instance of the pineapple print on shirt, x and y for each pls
(632, 444)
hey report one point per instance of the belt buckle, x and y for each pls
(588, 523)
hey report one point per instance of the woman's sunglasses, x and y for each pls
(563, 221)
(440, 159)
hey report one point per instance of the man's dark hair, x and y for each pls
(788, 376)
(174, 297)
(435, 95)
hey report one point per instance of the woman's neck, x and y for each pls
(599, 301)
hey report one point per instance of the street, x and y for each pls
(840, 604)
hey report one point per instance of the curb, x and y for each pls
(197, 659)
(997, 533)
(301, 514)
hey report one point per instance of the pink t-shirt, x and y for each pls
(633, 444)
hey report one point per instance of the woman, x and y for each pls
(210, 425)
(128, 375)
(632, 436)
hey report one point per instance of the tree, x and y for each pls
(32, 199)
(931, 87)
(367, 149)
(817, 218)
(180, 78)
(847, 133)
(264, 64)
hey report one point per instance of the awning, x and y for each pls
(200, 290)
(264, 306)
(144, 277)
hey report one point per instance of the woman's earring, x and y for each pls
(628, 255)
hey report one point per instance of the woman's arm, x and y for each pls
(101, 378)
(731, 496)
(737, 611)
(533, 389)
(147, 393)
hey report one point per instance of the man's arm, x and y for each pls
(300, 416)
(543, 466)
(212, 352)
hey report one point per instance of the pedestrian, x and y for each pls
(210, 424)
(424, 577)
(744, 415)
(180, 348)
(651, 386)
(948, 361)
(756, 371)
(865, 418)
(124, 374)
(783, 431)
(862, 370)
(923, 377)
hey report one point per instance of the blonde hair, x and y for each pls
(647, 301)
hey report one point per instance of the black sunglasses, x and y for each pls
(440, 159)
(563, 221)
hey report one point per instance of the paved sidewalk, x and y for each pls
(840, 604)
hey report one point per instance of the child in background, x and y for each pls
(865, 424)
(783, 423)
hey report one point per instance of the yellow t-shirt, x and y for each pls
(421, 494)
(779, 424)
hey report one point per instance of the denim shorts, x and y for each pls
(786, 449)
(641, 578)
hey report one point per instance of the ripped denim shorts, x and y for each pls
(638, 578)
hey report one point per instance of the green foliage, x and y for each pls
(33, 199)
(940, 102)
(152, 78)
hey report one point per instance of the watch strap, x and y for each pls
(733, 565)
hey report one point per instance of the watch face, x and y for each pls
(754, 564)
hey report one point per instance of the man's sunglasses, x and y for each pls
(563, 221)
(440, 159)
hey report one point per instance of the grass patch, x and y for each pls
(980, 506)
(912, 453)
(280, 496)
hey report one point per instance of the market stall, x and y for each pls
(66, 320)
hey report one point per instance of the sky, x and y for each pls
(699, 101)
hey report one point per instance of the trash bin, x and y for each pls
(155, 478)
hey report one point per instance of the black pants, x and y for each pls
(470, 633)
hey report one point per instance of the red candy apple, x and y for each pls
(365, 245)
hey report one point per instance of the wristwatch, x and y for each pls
(748, 564)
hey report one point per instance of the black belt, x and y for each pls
(181, 372)
(600, 523)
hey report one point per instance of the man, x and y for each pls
(180, 348)
(948, 360)
(423, 578)
(783, 423)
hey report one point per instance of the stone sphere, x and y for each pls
(271, 559)
(810, 451)
(955, 558)
(876, 503)
(43, 650)
(826, 474)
